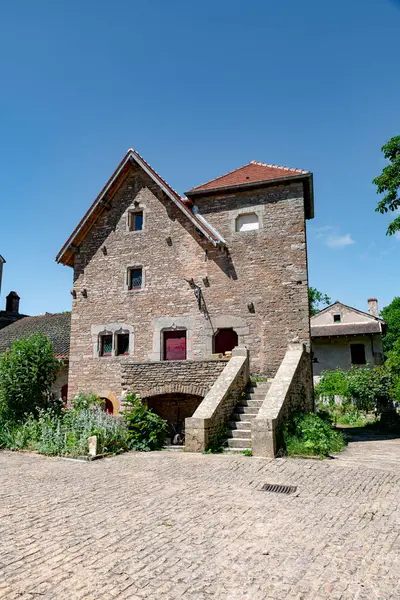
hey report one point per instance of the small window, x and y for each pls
(122, 344)
(135, 279)
(106, 345)
(337, 318)
(135, 221)
(248, 222)
(357, 354)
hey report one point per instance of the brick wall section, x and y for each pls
(267, 267)
(177, 376)
(291, 391)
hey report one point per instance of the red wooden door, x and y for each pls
(175, 345)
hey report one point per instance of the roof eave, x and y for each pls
(307, 178)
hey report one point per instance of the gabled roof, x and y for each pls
(373, 325)
(66, 254)
(57, 327)
(257, 174)
(337, 303)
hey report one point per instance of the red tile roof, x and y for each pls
(250, 173)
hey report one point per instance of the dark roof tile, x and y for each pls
(57, 327)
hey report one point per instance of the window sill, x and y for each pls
(134, 290)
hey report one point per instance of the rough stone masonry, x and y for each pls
(255, 284)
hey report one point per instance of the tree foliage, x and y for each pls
(388, 183)
(391, 314)
(317, 300)
(27, 372)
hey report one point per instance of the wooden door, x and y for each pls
(174, 345)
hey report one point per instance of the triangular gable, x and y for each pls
(356, 310)
(66, 254)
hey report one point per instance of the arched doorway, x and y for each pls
(174, 408)
(107, 405)
(225, 340)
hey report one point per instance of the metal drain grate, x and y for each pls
(278, 488)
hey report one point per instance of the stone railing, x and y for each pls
(171, 376)
(216, 407)
(291, 390)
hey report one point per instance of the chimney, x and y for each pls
(373, 307)
(12, 302)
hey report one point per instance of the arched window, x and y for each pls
(225, 340)
(247, 222)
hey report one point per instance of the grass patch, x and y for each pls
(311, 434)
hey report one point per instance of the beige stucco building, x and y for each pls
(343, 336)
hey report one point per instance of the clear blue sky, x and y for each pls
(198, 88)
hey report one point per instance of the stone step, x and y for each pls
(248, 410)
(256, 396)
(259, 384)
(243, 416)
(234, 450)
(239, 443)
(250, 402)
(244, 434)
(239, 424)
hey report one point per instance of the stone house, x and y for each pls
(165, 285)
(343, 336)
(57, 327)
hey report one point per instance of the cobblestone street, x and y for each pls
(173, 525)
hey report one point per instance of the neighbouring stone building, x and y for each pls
(163, 278)
(343, 336)
(57, 327)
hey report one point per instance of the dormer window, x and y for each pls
(135, 220)
(247, 222)
(337, 318)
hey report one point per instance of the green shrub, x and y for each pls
(84, 400)
(332, 383)
(311, 434)
(66, 434)
(27, 372)
(146, 430)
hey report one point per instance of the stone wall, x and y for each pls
(216, 408)
(333, 353)
(266, 268)
(166, 377)
(290, 391)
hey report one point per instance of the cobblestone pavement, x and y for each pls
(173, 525)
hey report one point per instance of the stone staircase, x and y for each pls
(239, 425)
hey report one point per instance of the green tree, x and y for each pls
(316, 300)
(27, 371)
(391, 314)
(388, 183)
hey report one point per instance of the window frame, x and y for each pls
(102, 337)
(131, 220)
(245, 214)
(117, 335)
(359, 345)
(129, 278)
